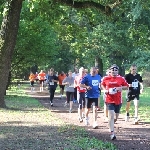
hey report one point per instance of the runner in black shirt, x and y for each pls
(135, 89)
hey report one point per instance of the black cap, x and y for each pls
(114, 66)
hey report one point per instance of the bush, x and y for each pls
(146, 78)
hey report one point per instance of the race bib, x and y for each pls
(135, 84)
(95, 82)
(112, 91)
(71, 85)
(51, 83)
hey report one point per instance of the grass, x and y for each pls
(27, 125)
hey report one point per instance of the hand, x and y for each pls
(88, 88)
(105, 91)
(141, 91)
(119, 89)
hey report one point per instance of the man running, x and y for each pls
(61, 77)
(135, 88)
(92, 84)
(112, 86)
(52, 82)
(69, 88)
(80, 94)
(41, 77)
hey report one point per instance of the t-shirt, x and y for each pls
(70, 87)
(42, 76)
(61, 77)
(110, 83)
(77, 82)
(32, 77)
(135, 81)
(52, 85)
(93, 82)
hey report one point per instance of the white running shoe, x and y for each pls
(80, 120)
(66, 104)
(70, 110)
(95, 126)
(86, 121)
(51, 104)
(112, 137)
(127, 118)
(136, 121)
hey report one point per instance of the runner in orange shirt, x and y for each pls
(41, 77)
(32, 78)
(61, 77)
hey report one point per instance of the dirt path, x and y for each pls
(129, 136)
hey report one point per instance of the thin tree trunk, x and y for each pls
(8, 35)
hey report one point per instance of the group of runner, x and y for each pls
(85, 88)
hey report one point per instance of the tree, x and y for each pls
(8, 35)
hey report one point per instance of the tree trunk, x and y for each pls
(8, 35)
(99, 64)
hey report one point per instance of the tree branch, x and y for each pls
(90, 4)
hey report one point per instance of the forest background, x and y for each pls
(64, 34)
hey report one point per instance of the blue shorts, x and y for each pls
(112, 106)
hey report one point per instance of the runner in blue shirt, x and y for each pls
(92, 83)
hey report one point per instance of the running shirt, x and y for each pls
(32, 77)
(93, 82)
(77, 82)
(110, 83)
(61, 77)
(69, 87)
(42, 76)
(135, 81)
(52, 85)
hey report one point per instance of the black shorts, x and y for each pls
(89, 101)
(32, 83)
(112, 106)
(62, 86)
(41, 81)
(132, 97)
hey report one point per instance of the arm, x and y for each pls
(64, 82)
(142, 87)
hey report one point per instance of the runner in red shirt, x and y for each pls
(41, 77)
(80, 93)
(112, 86)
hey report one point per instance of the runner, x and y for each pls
(98, 108)
(61, 77)
(32, 78)
(104, 98)
(75, 88)
(69, 88)
(41, 77)
(92, 83)
(52, 82)
(80, 94)
(36, 77)
(135, 81)
(112, 86)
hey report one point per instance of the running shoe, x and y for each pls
(95, 126)
(126, 118)
(66, 104)
(70, 111)
(98, 109)
(51, 104)
(112, 137)
(80, 120)
(136, 121)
